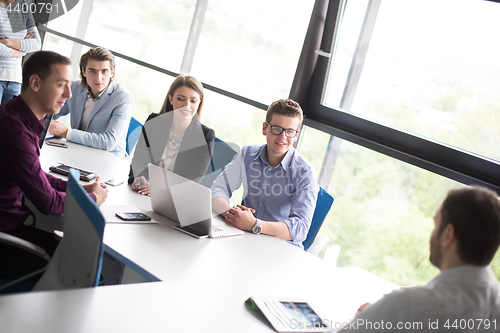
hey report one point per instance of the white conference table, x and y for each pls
(204, 282)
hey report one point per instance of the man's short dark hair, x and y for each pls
(98, 54)
(40, 64)
(285, 107)
(475, 215)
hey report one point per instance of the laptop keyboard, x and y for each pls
(216, 229)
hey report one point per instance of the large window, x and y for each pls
(247, 48)
(408, 93)
(406, 83)
(428, 67)
(252, 47)
(154, 31)
(382, 214)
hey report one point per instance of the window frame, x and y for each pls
(308, 89)
(451, 162)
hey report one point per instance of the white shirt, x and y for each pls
(464, 298)
(169, 156)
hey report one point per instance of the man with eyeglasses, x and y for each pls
(279, 186)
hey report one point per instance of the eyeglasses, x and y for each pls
(277, 130)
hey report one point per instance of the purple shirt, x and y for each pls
(21, 174)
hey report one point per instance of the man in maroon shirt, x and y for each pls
(47, 77)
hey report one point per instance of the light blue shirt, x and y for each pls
(286, 192)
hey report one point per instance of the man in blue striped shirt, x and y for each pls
(280, 189)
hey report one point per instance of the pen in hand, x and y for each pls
(139, 184)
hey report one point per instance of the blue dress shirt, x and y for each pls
(286, 192)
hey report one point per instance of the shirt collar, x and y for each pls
(285, 162)
(89, 92)
(29, 118)
(470, 273)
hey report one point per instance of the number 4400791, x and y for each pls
(33, 8)
(471, 324)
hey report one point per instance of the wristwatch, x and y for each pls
(257, 228)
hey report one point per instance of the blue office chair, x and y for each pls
(77, 260)
(134, 130)
(222, 155)
(323, 205)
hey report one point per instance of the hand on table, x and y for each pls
(141, 185)
(99, 189)
(58, 129)
(241, 217)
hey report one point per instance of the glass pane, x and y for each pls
(382, 216)
(155, 31)
(232, 120)
(57, 44)
(431, 72)
(312, 146)
(235, 123)
(68, 22)
(136, 79)
(252, 48)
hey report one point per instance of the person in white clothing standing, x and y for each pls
(18, 36)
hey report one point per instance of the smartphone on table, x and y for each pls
(133, 216)
(56, 144)
(63, 169)
(113, 182)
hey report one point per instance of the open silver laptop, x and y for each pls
(186, 202)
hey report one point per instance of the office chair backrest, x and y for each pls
(78, 258)
(323, 205)
(134, 131)
(8, 281)
(222, 155)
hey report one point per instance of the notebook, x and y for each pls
(187, 202)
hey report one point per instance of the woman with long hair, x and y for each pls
(174, 139)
